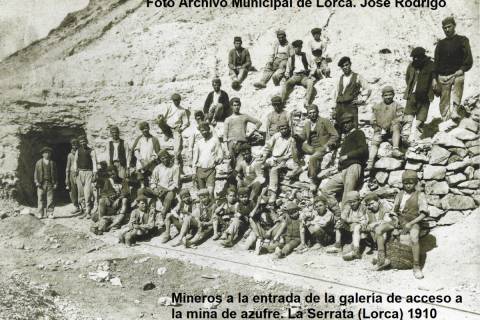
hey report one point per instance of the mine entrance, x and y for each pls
(58, 138)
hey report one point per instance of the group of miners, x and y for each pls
(143, 190)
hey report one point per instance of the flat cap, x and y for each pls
(343, 60)
(237, 38)
(184, 192)
(280, 31)
(176, 96)
(372, 196)
(448, 20)
(242, 191)
(46, 149)
(114, 129)
(388, 89)
(316, 30)
(202, 192)
(143, 125)
(276, 99)
(217, 80)
(346, 117)
(321, 198)
(291, 206)
(141, 197)
(297, 43)
(312, 107)
(409, 175)
(163, 153)
(234, 99)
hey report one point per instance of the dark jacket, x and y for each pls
(122, 156)
(355, 147)
(242, 59)
(327, 135)
(38, 175)
(224, 100)
(452, 54)
(351, 91)
(424, 89)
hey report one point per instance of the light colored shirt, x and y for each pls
(70, 163)
(165, 177)
(207, 153)
(176, 117)
(144, 150)
(364, 87)
(299, 67)
(279, 146)
(235, 128)
(315, 45)
(386, 115)
(115, 150)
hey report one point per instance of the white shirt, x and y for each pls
(207, 152)
(115, 150)
(216, 97)
(144, 150)
(299, 67)
(176, 117)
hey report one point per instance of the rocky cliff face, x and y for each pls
(116, 62)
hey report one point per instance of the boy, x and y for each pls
(316, 225)
(238, 63)
(141, 224)
(200, 222)
(249, 172)
(45, 178)
(223, 214)
(240, 218)
(410, 208)
(178, 214)
(386, 120)
(262, 223)
(317, 47)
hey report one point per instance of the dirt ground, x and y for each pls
(47, 267)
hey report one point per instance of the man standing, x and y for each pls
(419, 93)
(70, 176)
(298, 70)
(278, 115)
(353, 157)
(207, 154)
(453, 58)
(319, 137)
(86, 168)
(277, 61)
(235, 129)
(118, 150)
(45, 177)
(172, 122)
(217, 104)
(145, 149)
(239, 63)
(352, 91)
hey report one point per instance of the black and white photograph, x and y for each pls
(239, 159)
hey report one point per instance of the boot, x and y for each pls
(417, 272)
(396, 153)
(352, 255)
(165, 237)
(337, 247)
(216, 236)
(382, 261)
(278, 253)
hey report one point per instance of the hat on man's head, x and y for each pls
(317, 52)
(297, 43)
(291, 206)
(242, 191)
(82, 138)
(198, 113)
(234, 99)
(352, 196)
(114, 129)
(176, 97)
(409, 175)
(448, 20)
(141, 197)
(321, 198)
(46, 149)
(418, 52)
(143, 125)
(163, 153)
(244, 147)
(74, 142)
(217, 80)
(280, 31)
(372, 196)
(276, 99)
(237, 38)
(388, 89)
(203, 192)
(343, 60)
(346, 117)
(316, 30)
(204, 126)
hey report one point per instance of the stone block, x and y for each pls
(455, 179)
(469, 124)
(454, 166)
(451, 217)
(447, 140)
(458, 202)
(471, 184)
(388, 164)
(439, 155)
(436, 188)
(435, 212)
(381, 177)
(418, 157)
(395, 179)
(434, 172)
(415, 166)
(463, 134)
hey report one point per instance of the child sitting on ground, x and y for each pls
(316, 225)
(223, 214)
(141, 224)
(178, 214)
(239, 222)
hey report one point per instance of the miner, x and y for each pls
(45, 178)
(239, 63)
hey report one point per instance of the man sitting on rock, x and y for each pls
(239, 63)
(278, 115)
(217, 104)
(387, 120)
(297, 73)
(410, 208)
(319, 137)
(353, 156)
(317, 225)
(178, 214)
(276, 62)
(317, 47)
(280, 153)
(141, 224)
(249, 172)
(113, 203)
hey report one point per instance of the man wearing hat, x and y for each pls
(353, 157)
(71, 177)
(165, 182)
(453, 57)
(411, 208)
(276, 61)
(278, 115)
(352, 90)
(45, 178)
(319, 136)
(118, 150)
(249, 172)
(86, 168)
(145, 149)
(280, 153)
(387, 120)
(173, 120)
(420, 80)
(238, 63)
(316, 225)
(217, 105)
(297, 73)
(316, 47)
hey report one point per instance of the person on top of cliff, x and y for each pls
(239, 63)
(317, 47)
(387, 119)
(217, 104)
(453, 57)
(297, 73)
(276, 61)
(420, 80)
(353, 157)
(45, 178)
(172, 121)
(352, 90)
